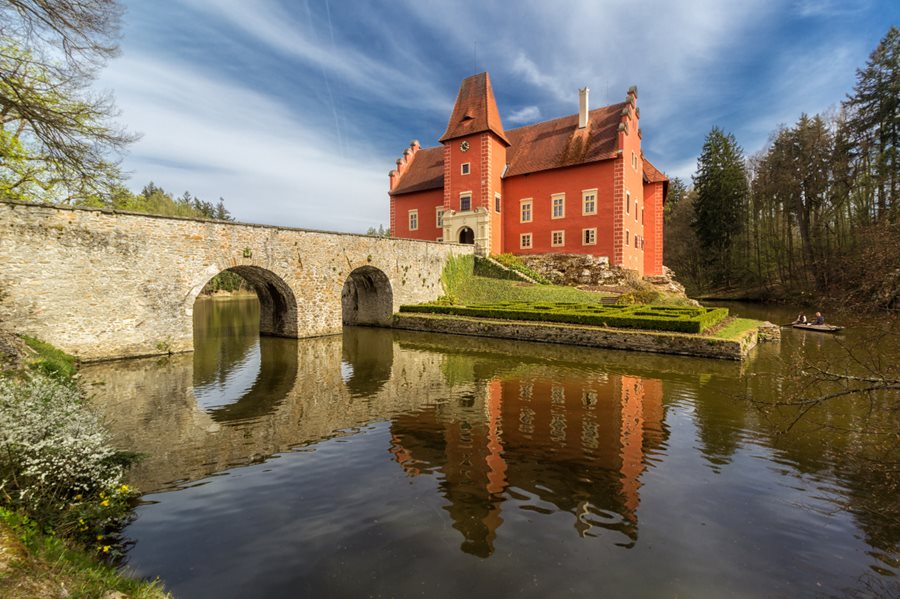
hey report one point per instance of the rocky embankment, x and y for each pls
(594, 273)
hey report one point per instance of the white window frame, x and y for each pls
(413, 219)
(584, 196)
(465, 168)
(562, 238)
(439, 217)
(465, 194)
(593, 231)
(522, 245)
(562, 202)
(526, 202)
(498, 201)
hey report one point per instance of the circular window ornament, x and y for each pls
(464, 146)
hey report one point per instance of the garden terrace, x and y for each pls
(681, 319)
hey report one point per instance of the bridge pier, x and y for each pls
(104, 284)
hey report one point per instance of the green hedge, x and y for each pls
(656, 318)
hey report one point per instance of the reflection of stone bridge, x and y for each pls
(495, 423)
(103, 284)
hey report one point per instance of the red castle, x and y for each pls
(579, 184)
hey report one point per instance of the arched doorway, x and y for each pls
(466, 235)
(367, 298)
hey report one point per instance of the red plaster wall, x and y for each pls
(426, 202)
(653, 229)
(633, 181)
(454, 182)
(540, 187)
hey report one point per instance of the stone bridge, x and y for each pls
(106, 284)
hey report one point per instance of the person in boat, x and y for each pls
(801, 319)
(819, 318)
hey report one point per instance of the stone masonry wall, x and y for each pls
(101, 284)
(647, 341)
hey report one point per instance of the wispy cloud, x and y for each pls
(525, 115)
(294, 112)
(236, 142)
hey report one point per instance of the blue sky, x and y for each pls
(295, 111)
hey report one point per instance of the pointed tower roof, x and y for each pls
(475, 110)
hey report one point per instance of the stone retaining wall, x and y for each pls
(646, 341)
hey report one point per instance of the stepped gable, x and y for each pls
(424, 173)
(559, 143)
(475, 110)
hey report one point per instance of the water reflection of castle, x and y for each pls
(578, 445)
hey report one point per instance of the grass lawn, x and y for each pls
(465, 288)
(735, 328)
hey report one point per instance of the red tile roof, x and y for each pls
(559, 143)
(538, 147)
(653, 174)
(475, 110)
(425, 172)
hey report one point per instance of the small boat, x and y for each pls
(821, 328)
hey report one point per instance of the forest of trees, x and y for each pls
(815, 214)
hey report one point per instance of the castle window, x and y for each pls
(635, 210)
(439, 217)
(627, 236)
(558, 238)
(525, 241)
(634, 161)
(465, 168)
(525, 211)
(413, 220)
(627, 202)
(496, 202)
(589, 202)
(589, 236)
(439, 239)
(558, 203)
(465, 201)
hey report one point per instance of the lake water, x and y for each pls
(388, 463)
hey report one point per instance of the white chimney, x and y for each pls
(583, 107)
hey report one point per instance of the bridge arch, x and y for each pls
(367, 297)
(277, 303)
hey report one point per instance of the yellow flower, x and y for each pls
(105, 503)
(106, 549)
(99, 537)
(124, 488)
(78, 497)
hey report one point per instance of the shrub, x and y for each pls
(659, 318)
(57, 465)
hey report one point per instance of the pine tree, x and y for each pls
(722, 192)
(874, 109)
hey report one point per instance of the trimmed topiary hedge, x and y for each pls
(656, 318)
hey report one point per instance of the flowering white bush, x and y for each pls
(56, 462)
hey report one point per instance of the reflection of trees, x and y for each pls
(224, 331)
(370, 354)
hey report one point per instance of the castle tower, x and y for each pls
(474, 159)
